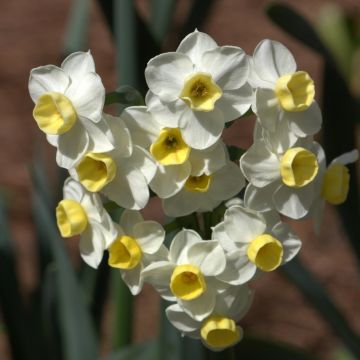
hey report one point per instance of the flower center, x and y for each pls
(198, 183)
(54, 113)
(71, 218)
(95, 171)
(298, 167)
(295, 92)
(170, 148)
(335, 187)
(220, 332)
(265, 252)
(187, 282)
(124, 253)
(200, 92)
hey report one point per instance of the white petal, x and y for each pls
(259, 165)
(142, 125)
(180, 245)
(73, 190)
(239, 269)
(92, 245)
(158, 274)
(208, 161)
(182, 321)
(78, 64)
(45, 79)
(133, 279)
(169, 180)
(72, 146)
(200, 307)
(195, 44)
(260, 199)
(251, 223)
(347, 158)
(228, 66)
(182, 203)
(165, 75)
(219, 234)
(166, 114)
(227, 182)
(290, 241)
(150, 235)
(143, 161)
(304, 123)
(235, 103)
(201, 129)
(100, 136)
(88, 96)
(272, 60)
(267, 109)
(208, 256)
(254, 80)
(129, 218)
(294, 203)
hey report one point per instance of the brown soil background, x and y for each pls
(31, 34)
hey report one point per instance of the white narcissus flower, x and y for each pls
(82, 213)
(137, 244)
(189, 275)
(281, 178)
(282, 94)
(175, 159)
(198, 88)
(219, 330)
(122, 174)
(332, 185)
(204, 191)
(68, 107)
(253, 241)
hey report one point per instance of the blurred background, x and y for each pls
(38, 32)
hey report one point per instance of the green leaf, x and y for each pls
(161, 17)
(310, 287)
(76, 31)
(235, 152)
(77, 332)
(142, 351)
(297, 26)
(125, 96)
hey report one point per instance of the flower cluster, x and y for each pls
(172, 147)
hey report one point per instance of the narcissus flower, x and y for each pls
(283, 94)
(258, 245)
(122, 174)
(137, 244)
(281, 178)
(82, 213)
(68, 107)
(198, 88)
(189, 275)
(219, 330)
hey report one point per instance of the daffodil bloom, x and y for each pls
(259, 245)
(189, 274)
(176, 161)
(68, 107)
(281, 178)
(219, 330)
(204, 190)
(198, 88)
(282, 94)
(137, 244)
(122, 174)
(82, 213)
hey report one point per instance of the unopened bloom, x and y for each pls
(198, 88)
(253, 243)
(68, 107)
(189, 275)
(219, 330)
(137, 244)
(82, 213)
(283, 95)
(122, 174)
